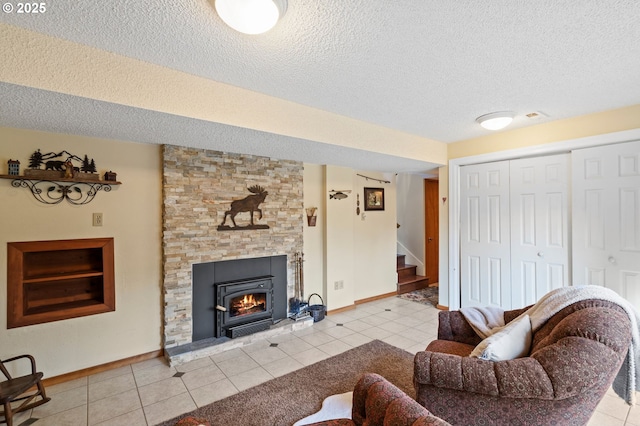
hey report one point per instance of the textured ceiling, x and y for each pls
(72, 115)
(421, 67)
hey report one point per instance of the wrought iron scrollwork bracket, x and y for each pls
(54, 192)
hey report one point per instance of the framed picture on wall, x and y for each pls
(374, 198)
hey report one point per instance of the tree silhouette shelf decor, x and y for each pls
(54, 191)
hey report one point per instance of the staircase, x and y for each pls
(407, 278)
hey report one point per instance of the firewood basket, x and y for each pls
(316, 311)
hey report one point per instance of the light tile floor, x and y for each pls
(150, 392)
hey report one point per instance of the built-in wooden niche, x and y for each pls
(55, 280)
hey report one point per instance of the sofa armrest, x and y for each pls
(514, 313)
(452, 326)
(376, 401)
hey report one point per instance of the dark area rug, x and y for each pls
(285, 400)
(426, 296)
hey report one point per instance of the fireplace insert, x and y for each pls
(244, 306)
(211, 323)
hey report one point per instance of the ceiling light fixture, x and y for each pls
(251, 16)
(496, 120)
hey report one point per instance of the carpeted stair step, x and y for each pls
(406, 271)
(412, 282)
(408, 280)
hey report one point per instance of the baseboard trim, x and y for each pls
(361, 301)
(442, 308)
(374, 298)
(101, 368)
(343, 309)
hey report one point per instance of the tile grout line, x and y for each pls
(88, 401)
(144, 413)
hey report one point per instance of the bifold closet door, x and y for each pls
(539, 192)
(484, 235)
(606, 218)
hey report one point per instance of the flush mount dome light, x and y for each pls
(251, 16)
(496, 120)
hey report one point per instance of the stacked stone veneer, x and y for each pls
(198, 187)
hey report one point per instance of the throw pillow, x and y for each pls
(512, 341)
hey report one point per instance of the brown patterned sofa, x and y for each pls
(377, 402)
(573, 360)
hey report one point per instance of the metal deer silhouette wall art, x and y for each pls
(248, 204)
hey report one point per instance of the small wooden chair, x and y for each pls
(17, 389)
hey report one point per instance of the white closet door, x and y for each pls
(606, 218)
(539, 189)
(484, 235)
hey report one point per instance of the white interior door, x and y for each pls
(539, 191)
(606, 218)
(484, 235)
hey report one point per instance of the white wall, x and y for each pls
(410, 207)
(132, 216)
(343, 246)
(339, 234)
(313, 238)
(375, 240)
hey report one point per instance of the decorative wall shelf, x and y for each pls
(53, 191)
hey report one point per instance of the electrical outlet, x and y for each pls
(97, 219)
(338, 285)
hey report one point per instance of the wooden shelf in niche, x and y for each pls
(55, 280)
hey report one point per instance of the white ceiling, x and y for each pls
(422, 67)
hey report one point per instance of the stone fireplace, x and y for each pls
(198, 187)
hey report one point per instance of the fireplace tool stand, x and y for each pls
(297, 305)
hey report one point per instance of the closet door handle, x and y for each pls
(540, 254)
(612, 259)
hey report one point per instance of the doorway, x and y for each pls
(431, 230)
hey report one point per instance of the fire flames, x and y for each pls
(247, 304)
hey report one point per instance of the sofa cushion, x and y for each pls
(513, 341)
